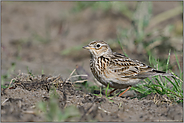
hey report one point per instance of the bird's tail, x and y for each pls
(151, 73)
(157, 72)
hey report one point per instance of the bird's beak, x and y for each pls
(86, 47)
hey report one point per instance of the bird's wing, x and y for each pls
(125, 67)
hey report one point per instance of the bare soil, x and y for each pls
(19, 103)
(34, 36)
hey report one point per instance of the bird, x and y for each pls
(116, 70)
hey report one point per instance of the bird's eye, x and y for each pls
(98, 45)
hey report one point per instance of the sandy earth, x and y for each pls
(35, 34)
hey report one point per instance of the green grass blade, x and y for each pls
(178, 66)
(174, 93)
(174, 85)
(139, 89)
(176, 76)
(153, 88)
(121, 47)
(107, 90)
(167, 64)
(179, 85)
(158, 81)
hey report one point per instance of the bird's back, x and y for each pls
(128, 68)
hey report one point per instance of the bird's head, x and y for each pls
(98, 48)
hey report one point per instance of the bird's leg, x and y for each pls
(112, 91)
(124, 91)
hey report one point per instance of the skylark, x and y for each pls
(117, 70)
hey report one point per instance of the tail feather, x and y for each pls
(157, 72)
(151, 73)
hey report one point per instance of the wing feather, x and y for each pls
(126, 67)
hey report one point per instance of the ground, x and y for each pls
(35, 38)
(19, 103)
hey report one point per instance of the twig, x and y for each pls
(29, 112)
(71, 75)
(78, 75)
(154, 100)
(5, 101)
(11, 82)
(80, 81)
(56, 80)
(104, 110)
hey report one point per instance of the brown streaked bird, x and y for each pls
(117, 70)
